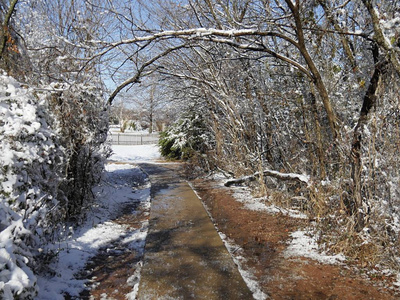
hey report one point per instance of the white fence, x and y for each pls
(118, 138)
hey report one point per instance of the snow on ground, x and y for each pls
(135, 153)
(116, 189)
(304, 244)
(244, 196)
(247, 274)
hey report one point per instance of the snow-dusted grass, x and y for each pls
(303, 244)
(116, 189)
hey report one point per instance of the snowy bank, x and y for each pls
(118, 188)
(97, 231)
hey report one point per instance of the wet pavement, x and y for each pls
(184, 255)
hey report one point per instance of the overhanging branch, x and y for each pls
(140, 71)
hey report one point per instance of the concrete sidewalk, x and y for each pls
(184, 255)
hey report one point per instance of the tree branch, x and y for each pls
(380, 38)
(139, 73)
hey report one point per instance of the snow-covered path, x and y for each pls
(118, 189)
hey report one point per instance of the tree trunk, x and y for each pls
(151, 123)
(358, 206)
(4, 29)
(151, 108)
(317, 78)
(319, 143)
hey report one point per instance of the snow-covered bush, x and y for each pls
(184, 138)
(30, 164)
(52, 153)
(82, 123)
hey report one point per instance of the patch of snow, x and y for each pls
(397, 282)
(140, 153)
(244, 196)
(305, 245)
(134, 281)
(218, 176)
(137, 238)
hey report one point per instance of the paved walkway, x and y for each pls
(184, 256)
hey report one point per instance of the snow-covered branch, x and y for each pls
(201, 32)
(380, 37)
(209, 34)
(279, 175)
(212, 35)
